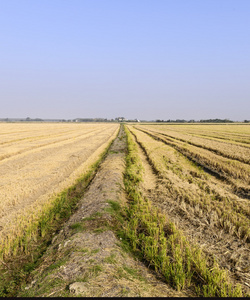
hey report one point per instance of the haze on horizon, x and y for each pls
(145, 59)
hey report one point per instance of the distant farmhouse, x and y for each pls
(122, 119)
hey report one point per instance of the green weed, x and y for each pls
(110, 259)
(77, 227)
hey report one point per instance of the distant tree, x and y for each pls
(216, 121)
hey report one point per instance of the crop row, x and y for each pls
(34, 140)
(31, 183)
(227, 133)
(163, 245)
(234, 172)
(225, 148)
(186, 182)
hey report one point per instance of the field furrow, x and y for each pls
(182, 210)
(235, 173)
(199, 204)
(29, 180)
(28, 144)
(229, 133)
(187, 182)
(225, 149)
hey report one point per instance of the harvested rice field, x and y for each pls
(37, 161)
(201, 176)
(124, 210)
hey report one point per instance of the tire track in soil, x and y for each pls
(94, 263)
(232, 254)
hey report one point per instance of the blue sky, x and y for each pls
(145, 59)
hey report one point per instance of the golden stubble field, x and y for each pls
(201, 176)
(206, 166)
(186, 197)
(38, 160)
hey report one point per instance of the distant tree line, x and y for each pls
(119, 119)
(91, 120)
(33, 120)
(216, 121)
(200, 121)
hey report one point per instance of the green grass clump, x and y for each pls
(162, 245)
(110, 259)
(95, 270)
(77, 227)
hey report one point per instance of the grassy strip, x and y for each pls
(20, 254)
(163, 245)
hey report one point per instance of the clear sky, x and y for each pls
(145, 59)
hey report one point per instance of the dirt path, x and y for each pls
(86, 258)
(231, 253)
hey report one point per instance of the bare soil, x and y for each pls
(86, 258)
